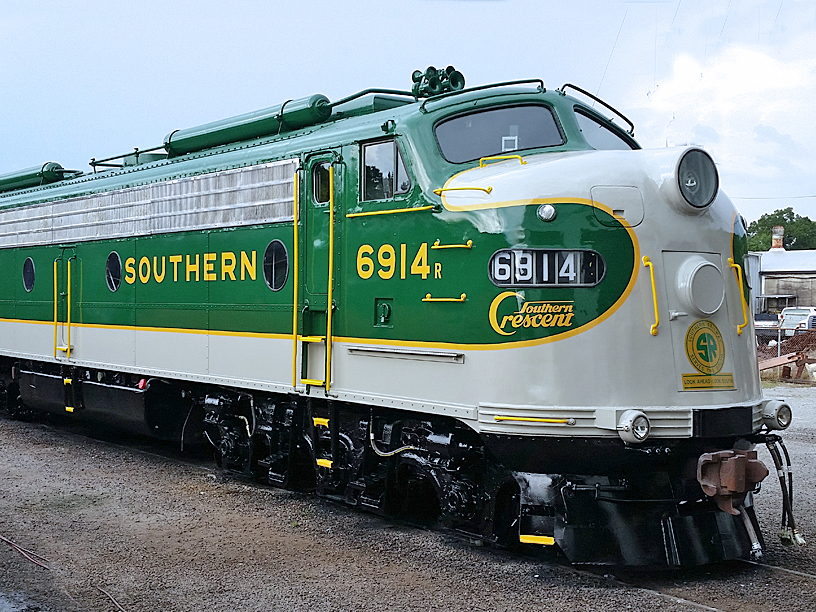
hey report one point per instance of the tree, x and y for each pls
(800, 232)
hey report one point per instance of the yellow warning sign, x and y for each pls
(704, 382)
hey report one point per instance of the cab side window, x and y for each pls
(599, 136)
(384, 171)
(320, 180)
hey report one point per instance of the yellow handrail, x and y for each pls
(738, 272)
(55, 308)
(498, 157)
(295, 284)
(650, 265)
(67, 348)
(535, 420)
(392, 211)
(68, 344)
(439, 191)
(428, 298)
(331, 279)
(467, 245)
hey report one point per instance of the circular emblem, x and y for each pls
(705, 348)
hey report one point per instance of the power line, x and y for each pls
(612, 52)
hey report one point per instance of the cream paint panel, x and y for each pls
(105, 346)
(267, 360)
(172, 352)
(30, 339)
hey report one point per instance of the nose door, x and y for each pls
(698, 319)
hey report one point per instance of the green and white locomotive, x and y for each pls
(486, 305)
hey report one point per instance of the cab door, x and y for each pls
(322, 182)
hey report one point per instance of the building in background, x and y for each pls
(786, 278)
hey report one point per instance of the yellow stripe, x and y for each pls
(532, 420)
(415, 344)
(534, 539)
(387, 212)
(324, 463)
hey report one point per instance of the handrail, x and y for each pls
(535, 420)
(482, 160)
(392, 211)
(540, 88)
(650, 265)
(295, 281)
(467, 245)
(738, 272)
(630, 131)
(365, 92)
(55, 307)
(136, 151)
(68, 343)
(329, 309)
(67, 348)
(428, 298)
(439, 191)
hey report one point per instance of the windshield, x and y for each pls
(496, 132)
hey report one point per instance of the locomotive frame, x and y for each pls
(389, 299)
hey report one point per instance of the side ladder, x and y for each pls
(306, 340)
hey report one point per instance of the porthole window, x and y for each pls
(28, 274)
(113, 271)
(276, 265)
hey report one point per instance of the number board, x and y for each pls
(546, 268)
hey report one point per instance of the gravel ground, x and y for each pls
(157, 533)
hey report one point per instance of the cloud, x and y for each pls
(750, 107)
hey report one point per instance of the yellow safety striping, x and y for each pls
(532, 420)
(534, 539)
(320, 422)
(309, 381)
(326, 463)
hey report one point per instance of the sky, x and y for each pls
(85, 79)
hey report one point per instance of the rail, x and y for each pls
(647, 262)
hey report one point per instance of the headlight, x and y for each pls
(697, 178)
(633, 427)
(777, 415)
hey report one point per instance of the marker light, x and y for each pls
(777, 415)
(697, 178)
(546, 212)
(634, 427)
